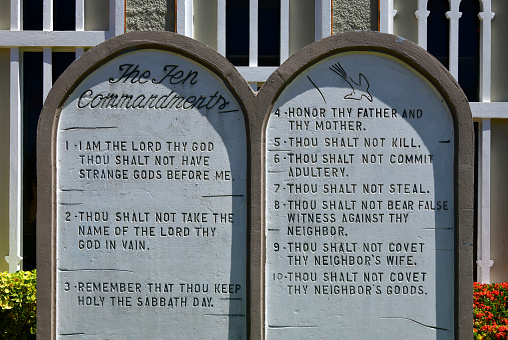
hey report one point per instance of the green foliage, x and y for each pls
(17, 305)
(490, 311)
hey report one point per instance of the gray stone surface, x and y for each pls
(353, 16)
(360, 218)
(152, 208)
(156, 15)
(257, 111)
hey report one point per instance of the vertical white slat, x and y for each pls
(15, 166)
(317, 19)
(80, 15)
(386, 15)
(184, 9)
(116, 17)
(253, 33)
(486, 17)
(454, 15)
(79, 52)
(47, 74)
(421, 16)
(284, 30)
(47, 15)
(221, 27)
(180, 17)
(323, 19)
(189, 15)
(484, 262)
(16, 15)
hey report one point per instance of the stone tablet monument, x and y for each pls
(149, 232)
(176, 203)
(368, 147)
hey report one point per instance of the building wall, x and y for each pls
(499, 51)
(405, 23)
(205, 16)
(96, 15)
(499, 190)
(301, 18)
(5, 5)
(159, 15)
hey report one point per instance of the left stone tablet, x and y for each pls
(143, 200)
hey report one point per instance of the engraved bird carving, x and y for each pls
(360, 88)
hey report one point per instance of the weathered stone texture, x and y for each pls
(351, 15)
(155, 15)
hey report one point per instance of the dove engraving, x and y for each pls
(360, 88)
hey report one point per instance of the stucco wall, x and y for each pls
(499, 52)
(405, 23)
(96, 15)
(357, 15)
(155, 15)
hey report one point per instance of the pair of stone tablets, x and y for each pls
(175, 202)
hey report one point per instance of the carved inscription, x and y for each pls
(359, 209)
(152, 203)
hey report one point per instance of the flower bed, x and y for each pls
(17, 305)
(490, 311)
